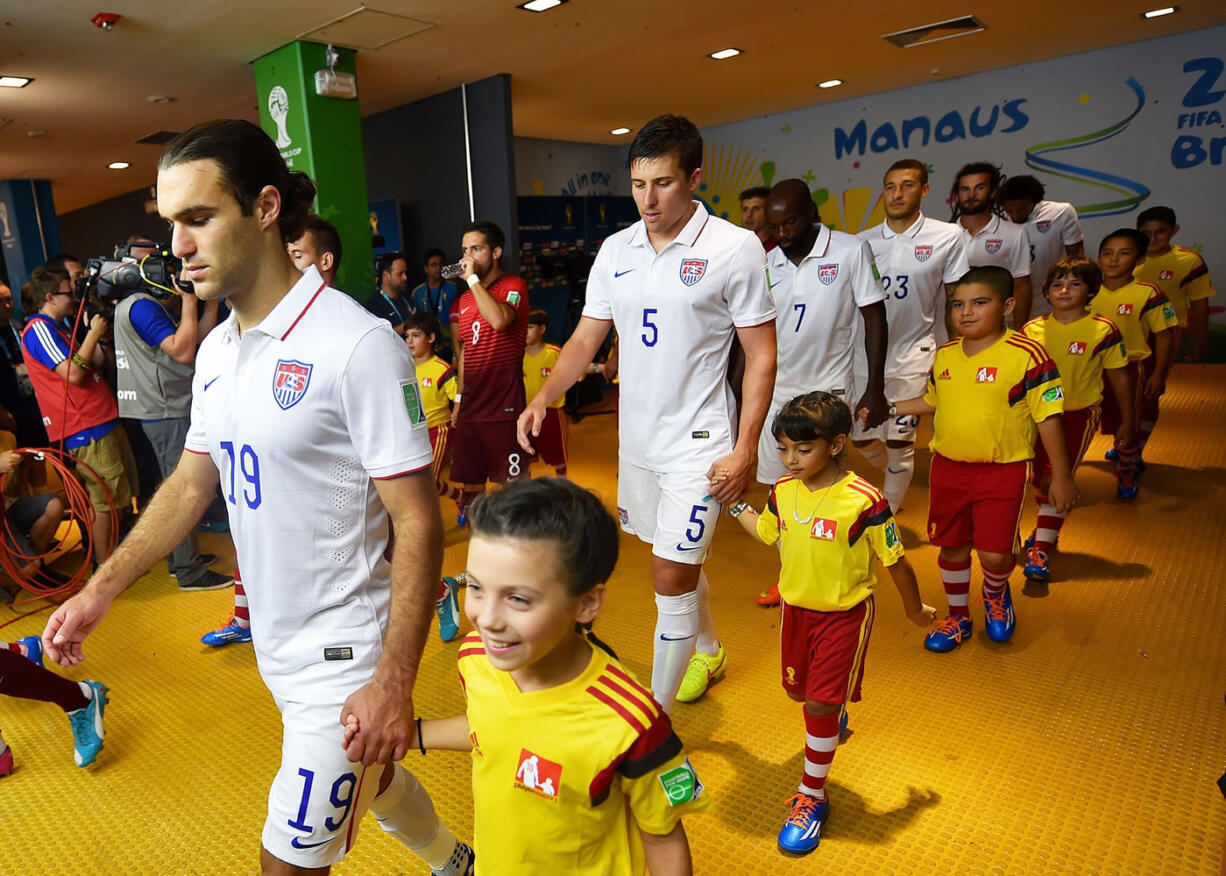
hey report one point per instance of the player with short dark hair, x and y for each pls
(1051, 227)
(677, 286)
(753, 214)
(436, 296)
(319, 245)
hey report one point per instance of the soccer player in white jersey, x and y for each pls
(819, 279)
(918, 258)
(1051, 227)
(989, 238)
(306, 408)
(677, 286)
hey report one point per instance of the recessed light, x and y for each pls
(1158, 13)
(617, 132)
(830, 83)
(119, 165)
(14, 81)
(724, 53)
(161, 98)
(541, 5)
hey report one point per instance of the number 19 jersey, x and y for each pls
(915, 266)
(675, 313)
(299, 413)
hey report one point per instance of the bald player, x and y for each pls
(820, 279)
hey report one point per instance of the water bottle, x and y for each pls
(450, 272)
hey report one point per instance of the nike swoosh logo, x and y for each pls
(298, 844)
(617, 274)
(696, 547)
(210, 383)
(667, 638)
(891, 471)
(776, 283)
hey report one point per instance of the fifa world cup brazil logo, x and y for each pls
(4, 220)
(278, 108)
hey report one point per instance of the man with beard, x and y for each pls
(919, 259)
(490, 328)
(990, 239)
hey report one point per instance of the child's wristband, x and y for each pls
(739, 508)
(421, 745)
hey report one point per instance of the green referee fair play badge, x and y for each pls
(681, 784)
(412, 402)
(1053, 394)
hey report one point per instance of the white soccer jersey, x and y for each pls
(299, 413)
(675, 313)
(818, 301)
(1051, 227)
(915, 267)
(999, 243)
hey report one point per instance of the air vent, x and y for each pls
(367, 29)
(159, 138)
(934, 33)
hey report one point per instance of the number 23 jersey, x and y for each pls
(299, 413)
(676, 312)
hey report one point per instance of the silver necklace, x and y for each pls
(818, 507)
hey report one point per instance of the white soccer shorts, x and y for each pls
(671, 511)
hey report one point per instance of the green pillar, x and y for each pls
(323, 137)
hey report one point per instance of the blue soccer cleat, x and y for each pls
(231, 632)
(448, 609)
(1111, 455)
(87, 732)
(802, 831)
(461, 515)
(999, 619)
(34, 649)
(1126, 486)
(948, 634)
(1036, 565)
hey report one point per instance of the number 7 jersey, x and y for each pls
(299, 413)
(676, 312)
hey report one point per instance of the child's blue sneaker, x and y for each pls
(34, 649)
(999, 620)
(948, 634)
(1036, 565)
(448, 609)
(802, 831)
(1111, 455)
(87, 732)
(230, 632)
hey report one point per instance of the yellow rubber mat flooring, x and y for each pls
(1088, 744)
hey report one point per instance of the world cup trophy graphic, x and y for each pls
(278, 108)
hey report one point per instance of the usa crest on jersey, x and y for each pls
(290, 381)
(992, 246)
(1043, 226)
(923, 253)
(692, 270)
(827, 274)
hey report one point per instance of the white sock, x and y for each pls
(706, 641)
(676, 629)
(899, 470)
(405, 811)
(875, 454)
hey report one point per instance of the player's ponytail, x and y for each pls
(585, 630)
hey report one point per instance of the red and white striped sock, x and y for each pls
(15, 647)
(821, 740)
(956, 579)
(448, 490)
(995, 580)
(1047, 527)
(242, 616)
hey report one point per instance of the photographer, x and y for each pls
(155, 361)
(78, 407)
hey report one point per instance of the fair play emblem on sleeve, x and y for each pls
(681, 784)
(692, 270)
(412, 402)
(290, 381)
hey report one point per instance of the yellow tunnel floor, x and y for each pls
(1090, 743)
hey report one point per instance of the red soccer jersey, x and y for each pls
(493, 361)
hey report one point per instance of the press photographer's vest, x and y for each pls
(152, 385)
(89, 404)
